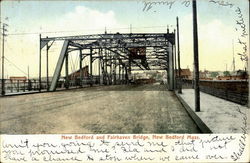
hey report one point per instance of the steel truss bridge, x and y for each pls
(116, 54)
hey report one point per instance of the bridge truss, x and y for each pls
(116, 53)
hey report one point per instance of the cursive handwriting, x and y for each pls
(186, 3)
(135, 157)
(217, 139)
(222, 3)
(23, 144)
(242, 141)
(156, 148)
(243, 54)
(148, 5)
(241, 22)
(240, 25)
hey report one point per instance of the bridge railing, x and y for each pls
(231, 90)
(20, 86)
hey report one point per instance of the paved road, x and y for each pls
(107, 109)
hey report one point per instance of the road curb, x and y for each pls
(202, 126)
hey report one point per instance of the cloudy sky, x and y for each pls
(217, 24)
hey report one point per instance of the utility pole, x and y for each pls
(233, 57)
(179, 62)
(90, 66)
(175, 63)
(105, 30)
(196, 59)
(47, 65)
(28, 73)
(3, 35)
(40, 64)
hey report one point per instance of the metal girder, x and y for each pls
(59, 66)
(43, 43)
(154, 69)
(114, 36)
(97, 45)
(170, 69)
(114, 40)
(158, 52)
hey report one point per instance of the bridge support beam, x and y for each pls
(114, 71)
(99, 66)
(111, 69)
(126, 75)
(40, 66)
(105, 67)
(80, 66)
(170, 68)
(59, 66)
(174, 60)
(47, 66)
(67, 70)
(179, 62)
(90, 67)
(119, 73)
(129, 68)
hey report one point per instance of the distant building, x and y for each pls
(185, 73)
(18, 78)
(205, 75)
(225, 78)
(76, 75)
(238, 75)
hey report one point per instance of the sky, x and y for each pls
(217, 29)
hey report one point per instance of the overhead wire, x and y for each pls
(7, 46)
(15, 65)
(70, 31)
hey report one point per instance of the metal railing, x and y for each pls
(231, 90)
(19, 86)
(33, 85)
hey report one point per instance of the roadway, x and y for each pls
(124, 109)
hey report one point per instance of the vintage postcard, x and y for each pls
(124, 81)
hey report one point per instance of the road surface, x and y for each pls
(116, 109)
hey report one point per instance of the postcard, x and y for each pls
(124, 81)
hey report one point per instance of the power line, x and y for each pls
(15, 66)
(35, 33)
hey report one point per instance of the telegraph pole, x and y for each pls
(233, 56)
(178, 52)
(3, 34)
(196, 59)
(28, 73)
(40, 64)
(47, 65)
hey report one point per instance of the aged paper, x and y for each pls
(121, 116)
